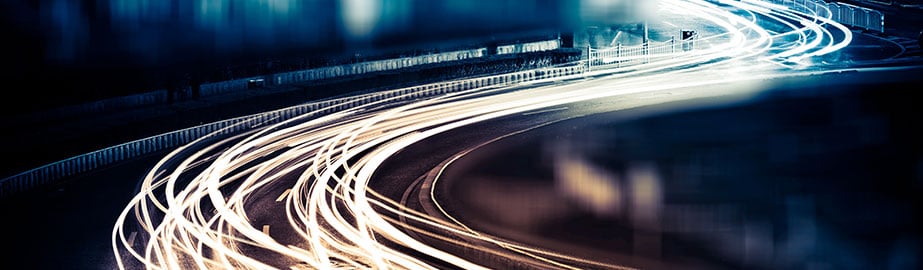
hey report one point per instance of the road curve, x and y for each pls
(297, 194)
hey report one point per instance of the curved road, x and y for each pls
(313, 192)
(356, 189)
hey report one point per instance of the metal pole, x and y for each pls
(644, 45)
(618, 55)
(589, 57)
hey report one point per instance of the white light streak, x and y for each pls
(204, 204)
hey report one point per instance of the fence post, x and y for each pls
(589, 56)
(618, 55)
(673, 45)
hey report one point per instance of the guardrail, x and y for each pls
(97, 159)
(162, 96)
(111, 155)
(372, 66)
(849, 15)
(538, 46)
(339, 71)
(620, 55)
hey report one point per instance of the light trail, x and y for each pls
(202, 205)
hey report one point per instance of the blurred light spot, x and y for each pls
(360, 17)
(607, 12)
(646, 193)
(590, 186)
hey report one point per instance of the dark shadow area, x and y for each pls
(817, 172)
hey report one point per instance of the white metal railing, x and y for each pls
(620, 55)
(538, 46)
(846, 14)
(111, 155)
(341, 70)
(375, 66)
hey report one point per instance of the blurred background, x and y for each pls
(95, 49)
